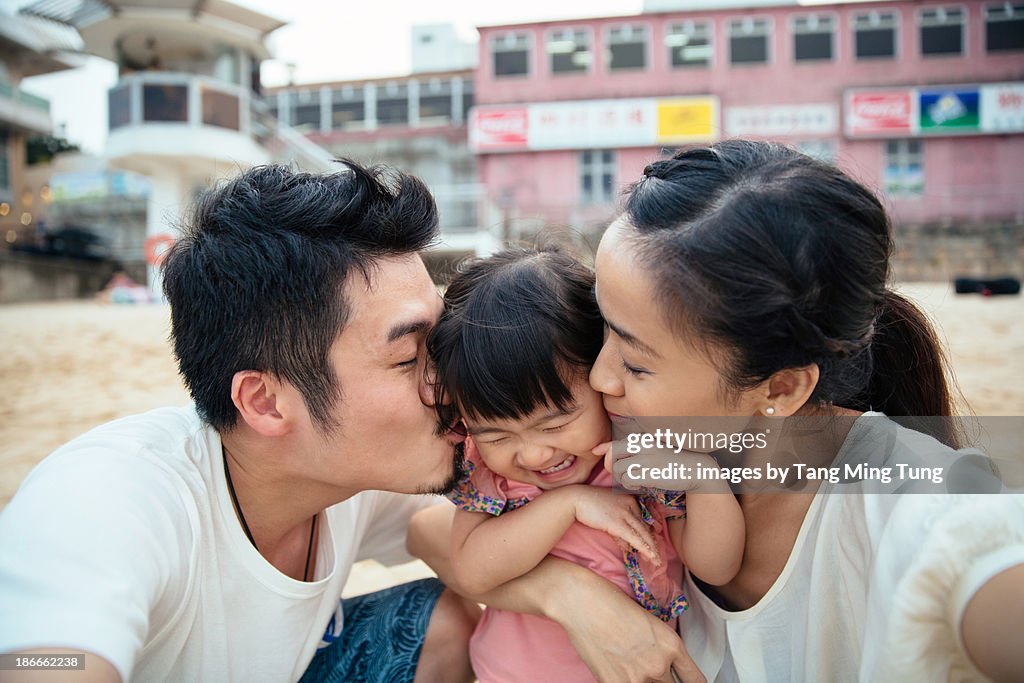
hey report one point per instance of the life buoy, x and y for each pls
(156, 248)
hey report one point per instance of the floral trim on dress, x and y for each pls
(675, 501)
(643, 595)
(466, 496)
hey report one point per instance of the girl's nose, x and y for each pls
(535, 456)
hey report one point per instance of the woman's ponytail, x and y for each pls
(910, 377)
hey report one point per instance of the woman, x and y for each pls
(746, 279)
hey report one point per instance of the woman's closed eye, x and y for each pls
(633, 369)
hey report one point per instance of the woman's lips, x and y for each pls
(618, 419)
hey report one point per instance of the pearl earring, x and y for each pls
(769, 411)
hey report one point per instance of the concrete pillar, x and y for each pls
(413, 94)
(164, 208)
(370, 104)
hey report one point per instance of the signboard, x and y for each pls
(498, 129)
(590, 124)
(1002, 108)
(687, 119)
(887, 112)
(949, 110)
(936, 110)
(773, 120)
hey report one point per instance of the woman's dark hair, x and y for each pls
(516, 326)
(783, 261)
(257, 280)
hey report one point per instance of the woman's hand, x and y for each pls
(618, 515)
(618, 640)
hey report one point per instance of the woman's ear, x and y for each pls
(263, 402)
(788, 390)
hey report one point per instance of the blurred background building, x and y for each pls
(923, 101)
(535, 130)
(416, 122)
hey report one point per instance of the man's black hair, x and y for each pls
(257, 281)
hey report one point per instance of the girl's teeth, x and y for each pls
(560, 466)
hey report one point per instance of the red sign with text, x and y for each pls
(498, 129)
(880, 113)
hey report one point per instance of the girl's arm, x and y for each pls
(488, 551)
(619, 640)
(710, 540)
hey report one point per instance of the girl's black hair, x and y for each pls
(783, 261)
(516, 327)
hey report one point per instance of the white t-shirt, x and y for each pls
(124, 543)
(876, 584)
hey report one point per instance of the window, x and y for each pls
(627, 47)
(812, 37)
(569, 51)
(393, 104)
(942, 31)
(597, 176)
(306, 109)
(748, 41)
(1004, 27)
(875, 35)
(511, 52)
(436, 102)
(119, 106)
(823, 150)
(348, 108)
(467, 97)
(689, 44)
(165, 103)
(904, 168)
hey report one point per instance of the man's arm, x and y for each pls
(620, 641)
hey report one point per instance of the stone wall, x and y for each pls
(942, 252)
(31, 277)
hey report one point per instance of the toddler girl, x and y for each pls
(513, 351)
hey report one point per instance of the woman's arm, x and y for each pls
(618, 640)
(993, 626)
(489, 550)
(710, 540)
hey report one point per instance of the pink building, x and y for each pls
(923, 101)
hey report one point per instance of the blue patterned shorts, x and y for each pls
(382, 636)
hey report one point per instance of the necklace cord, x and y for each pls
(245, 526)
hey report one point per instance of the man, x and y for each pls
(212, 543)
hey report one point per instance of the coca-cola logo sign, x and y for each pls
(499, 129)
(880, 113)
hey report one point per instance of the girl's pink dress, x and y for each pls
(509, 647)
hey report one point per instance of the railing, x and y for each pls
(156, 97)
(10, 92)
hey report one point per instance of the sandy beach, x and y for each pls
(70, 366)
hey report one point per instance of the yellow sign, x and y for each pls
(688, 119)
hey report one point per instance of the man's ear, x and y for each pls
(790, 389)
(263, 402)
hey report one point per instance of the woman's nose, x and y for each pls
(603, 377)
